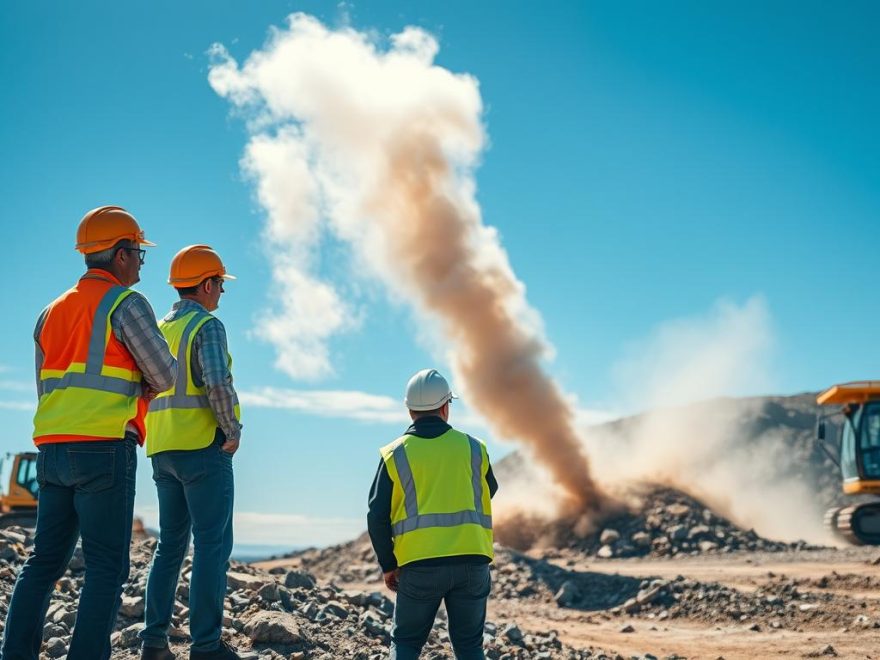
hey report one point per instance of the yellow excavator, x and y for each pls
(18, 505)
(858, 457)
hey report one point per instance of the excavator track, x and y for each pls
(858, 524)
(830, 524)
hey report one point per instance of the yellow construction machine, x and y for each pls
(18, 505)
(858, 456)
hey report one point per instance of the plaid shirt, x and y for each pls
(209, 365)
(134, 324)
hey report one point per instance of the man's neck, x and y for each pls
(104, 273)
(194, 301)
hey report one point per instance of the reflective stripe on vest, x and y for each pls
(87, 399)
(414, 520)
(92, 378)
(182, 419)
(179, 398)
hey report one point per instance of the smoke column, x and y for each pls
(376, 148)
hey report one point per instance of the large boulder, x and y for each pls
(269, 627)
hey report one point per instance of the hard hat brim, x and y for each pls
(430, 406)
(183, 282)
(100, 246)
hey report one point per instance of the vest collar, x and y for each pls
(184, 306)
(187, 305)
(100, 274)
(428, 427)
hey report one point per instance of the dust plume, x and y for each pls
(714, 450)
(691, 437)
(375, 147)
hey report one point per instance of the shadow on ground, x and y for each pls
(581, 590)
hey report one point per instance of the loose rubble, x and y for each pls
(777, 603)
(280, 614)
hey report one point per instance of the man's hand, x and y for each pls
(147, 392)
(392, 579)
(231, 446)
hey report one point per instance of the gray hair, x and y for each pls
(104, 258)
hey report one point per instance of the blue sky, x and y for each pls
(652, 170)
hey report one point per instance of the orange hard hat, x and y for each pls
(103, 227)
(195, 263)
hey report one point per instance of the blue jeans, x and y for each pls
(196, 493)
(86, 489)
(463, 587)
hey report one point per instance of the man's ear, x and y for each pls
(207, 285)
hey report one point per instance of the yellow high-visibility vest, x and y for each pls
(440, 503)
(182, 418)
(89, 385)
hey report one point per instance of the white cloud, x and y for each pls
(24, 406)
(17, 385)
(346, 404)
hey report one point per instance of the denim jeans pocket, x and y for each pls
(479, 580)
(41, 468)
(419, 582)
(93, 470)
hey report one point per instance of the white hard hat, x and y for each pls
(427, 390)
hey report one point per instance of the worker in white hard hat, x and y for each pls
(430, 522)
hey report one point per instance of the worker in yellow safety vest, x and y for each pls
(99, 358)
(193, 430)
(430, 522)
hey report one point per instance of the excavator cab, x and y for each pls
(18, 505)
(859, 458)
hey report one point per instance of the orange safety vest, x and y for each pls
(81, 354)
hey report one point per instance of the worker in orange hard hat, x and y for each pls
(99, 357)
(193, 431)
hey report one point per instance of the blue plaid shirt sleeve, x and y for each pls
(210, 367)
(134, 324)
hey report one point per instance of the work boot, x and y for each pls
(222, 652)
(155, 653)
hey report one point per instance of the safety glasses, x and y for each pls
(141, 253)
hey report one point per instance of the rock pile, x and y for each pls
(778, 604)
(280, 614)
(664, 523)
